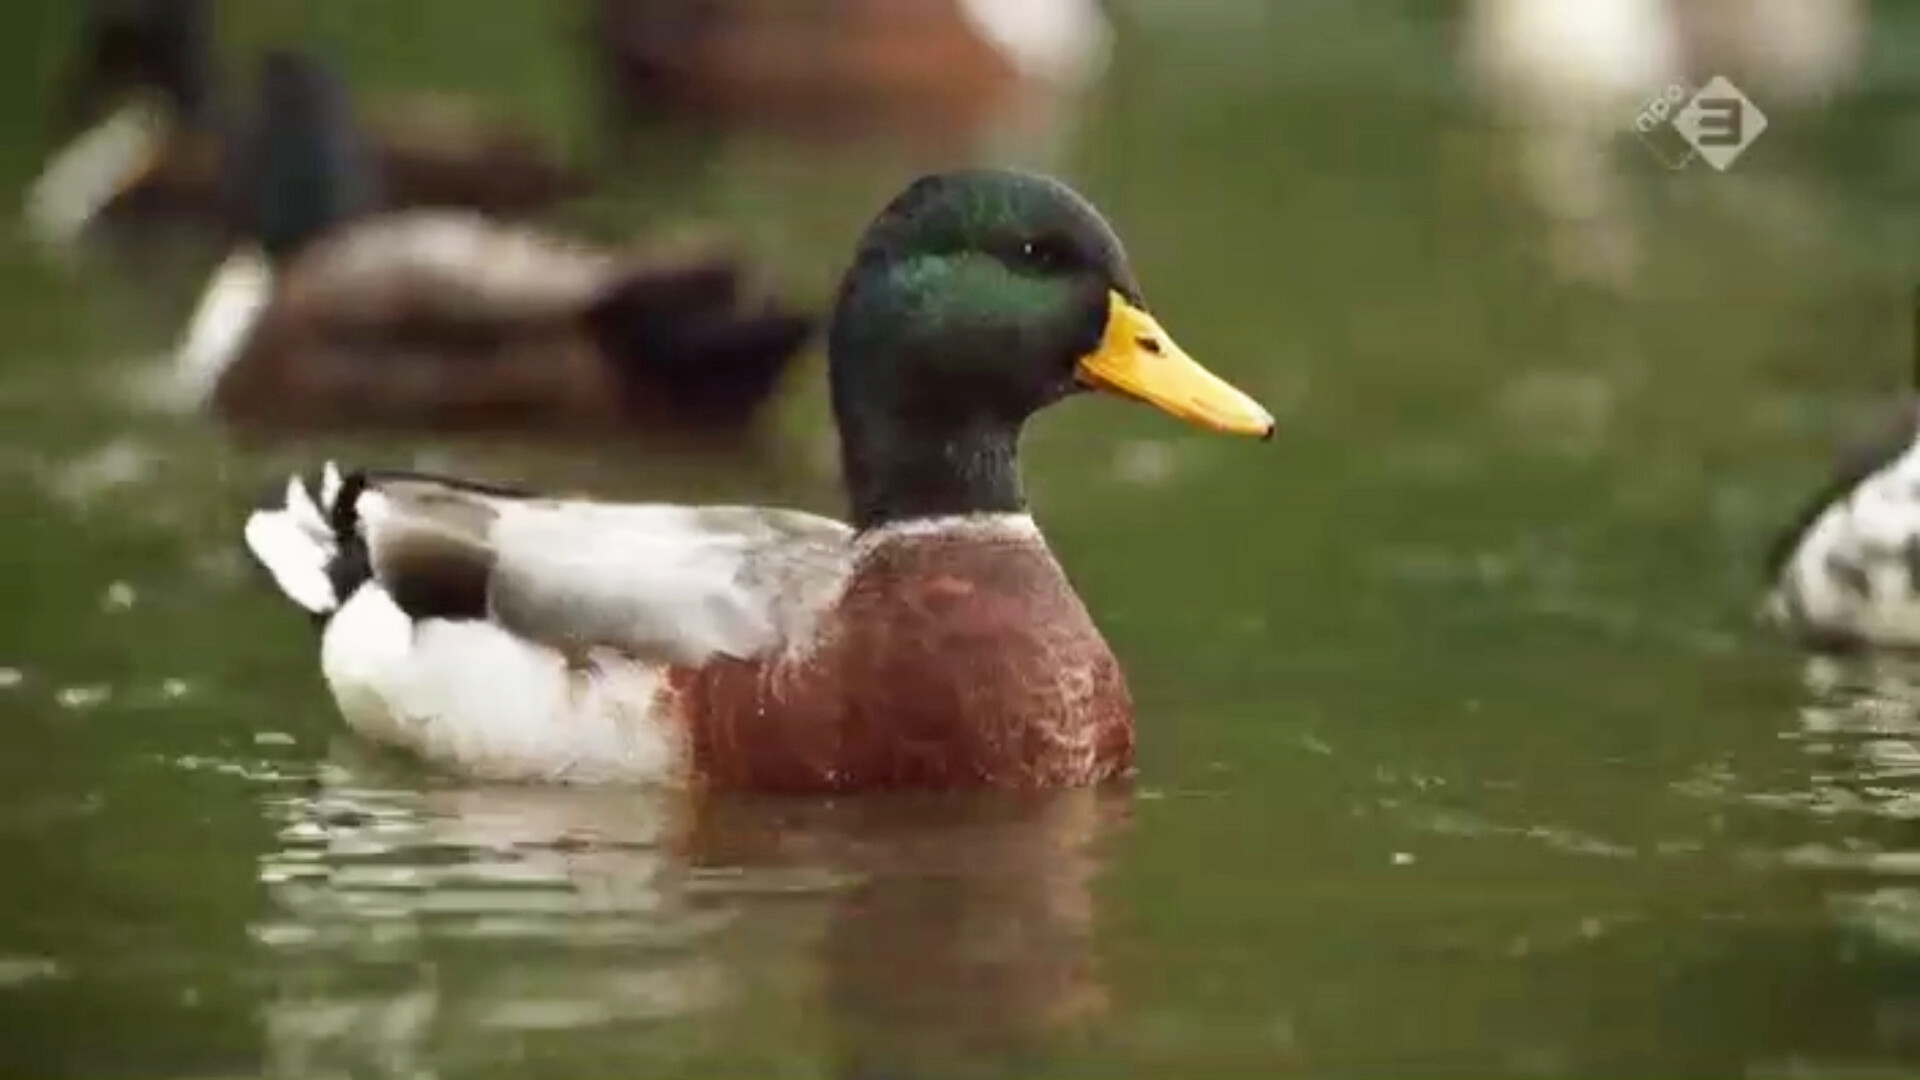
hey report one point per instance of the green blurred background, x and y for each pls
(1461, 753)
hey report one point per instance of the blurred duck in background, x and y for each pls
(1846, 571)
(337, 312)
(141, 89)
(1571, 76)
(1788, 53)
(931, 68)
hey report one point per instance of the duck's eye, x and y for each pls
(1044, 255)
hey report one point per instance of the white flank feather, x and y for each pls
(471, 695)
(229, 309)
(92, 170)
(468, 695)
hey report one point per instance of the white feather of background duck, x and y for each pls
(1853, 574)
(1063, 42)
(1786, 52)
(1847, 568)
(1570, 76)
(1573, 62)
(83, 177)
(1061, 49)
(237, 294)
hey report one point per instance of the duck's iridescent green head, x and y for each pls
(300, 167)
(975, 299)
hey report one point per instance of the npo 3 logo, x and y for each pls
(1715, 123)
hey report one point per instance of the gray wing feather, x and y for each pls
(672, 583)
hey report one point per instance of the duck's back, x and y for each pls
(954, 657)
(444, 318)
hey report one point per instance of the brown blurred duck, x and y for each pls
(849, 64)
(337, 312)
(142, 90)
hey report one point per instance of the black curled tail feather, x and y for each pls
(306, 536)
(683, 342)
(310, 537)
(352, 566)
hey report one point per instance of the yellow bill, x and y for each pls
(1136, 359)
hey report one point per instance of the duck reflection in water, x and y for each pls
(414, 927)
(966, 934)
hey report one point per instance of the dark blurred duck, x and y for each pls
(142, 90)
(337, 313)
(851, 65)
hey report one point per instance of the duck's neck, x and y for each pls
(897, 472)
(304, 195)
(307, 172)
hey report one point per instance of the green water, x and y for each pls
(1460, 752)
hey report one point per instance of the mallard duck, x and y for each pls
(920, 65)
(1845, 572)
(142, 87)
(336, 313)
(929, 641)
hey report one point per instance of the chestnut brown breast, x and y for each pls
(947, 662)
